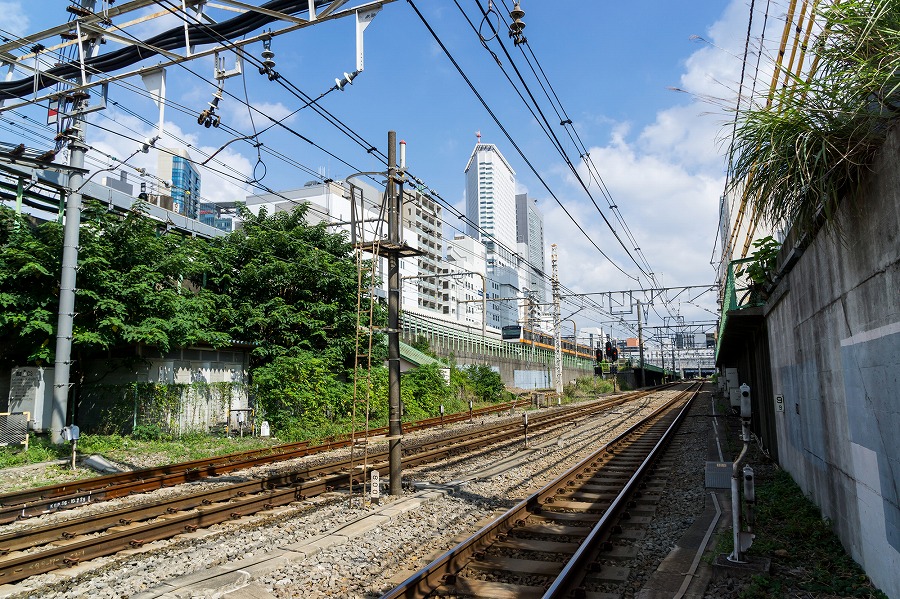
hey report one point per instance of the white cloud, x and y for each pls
(666, 180)
(239, 115)
(15, 21)
(228, 184)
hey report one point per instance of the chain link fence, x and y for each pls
(14, 428)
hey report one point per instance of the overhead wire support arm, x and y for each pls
(163, 44)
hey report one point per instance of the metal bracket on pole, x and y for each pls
(363, 18)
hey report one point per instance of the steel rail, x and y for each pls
(302, 484)
(49, 498)
(442, 571)
(573, 572)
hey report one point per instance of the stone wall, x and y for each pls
(834, 341)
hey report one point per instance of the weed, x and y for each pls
(807, 557)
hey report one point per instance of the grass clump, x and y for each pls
(808, 146)
(808, 560)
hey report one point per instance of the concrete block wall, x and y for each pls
(834, 340)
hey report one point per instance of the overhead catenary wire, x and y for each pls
(370, 148)
(364, 145)
(568, 126)
(510, 138)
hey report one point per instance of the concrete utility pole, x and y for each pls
(557, 340)
(395, 430)
(641, 344)
(66, 315)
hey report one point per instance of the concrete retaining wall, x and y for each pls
(523, 373)
(834, 340)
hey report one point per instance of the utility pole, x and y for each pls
(641, 344)
(66, 314)
(395, 430)
(557, 341)
(673, 356)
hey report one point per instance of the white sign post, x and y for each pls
(375, 487)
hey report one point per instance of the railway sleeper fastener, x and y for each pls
(206, 502)
(124, 521)
(606, 546)
(235, 515)
(190, 528)
(448, 579)
(268, 506)
(71, 561)
(478, 555)
(68, 534)
(171, 510)
(136, 543)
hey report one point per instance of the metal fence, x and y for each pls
(14, 428)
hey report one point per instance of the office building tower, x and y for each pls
(491, 204)
(177, 167)
(530, 239)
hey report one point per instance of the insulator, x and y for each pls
(267, 54)
(516, 13)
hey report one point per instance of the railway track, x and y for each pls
(565, 539)
(45, 548)
(42, 500)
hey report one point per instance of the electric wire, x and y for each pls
(510, 138)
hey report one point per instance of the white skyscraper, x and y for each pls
(491, 203)
(491, 196)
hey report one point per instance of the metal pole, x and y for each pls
(641, 345)
(557, 341)
(673, 356)
(393, 332)
(67, 281)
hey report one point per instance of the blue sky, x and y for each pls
(612, 64)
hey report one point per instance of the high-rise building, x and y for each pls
(491, 203)
(466, 260)
(490, 196)
(530, 239)
(176, 166)
(212, 215)
(422, 215)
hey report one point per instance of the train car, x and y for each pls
(529, 337)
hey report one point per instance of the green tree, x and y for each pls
(29, 289)
(487, 384)
(286, 286)
(425, 390)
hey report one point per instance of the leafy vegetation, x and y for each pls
(799, 158)
(588, 386)
(284, 288)
(807, 558)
